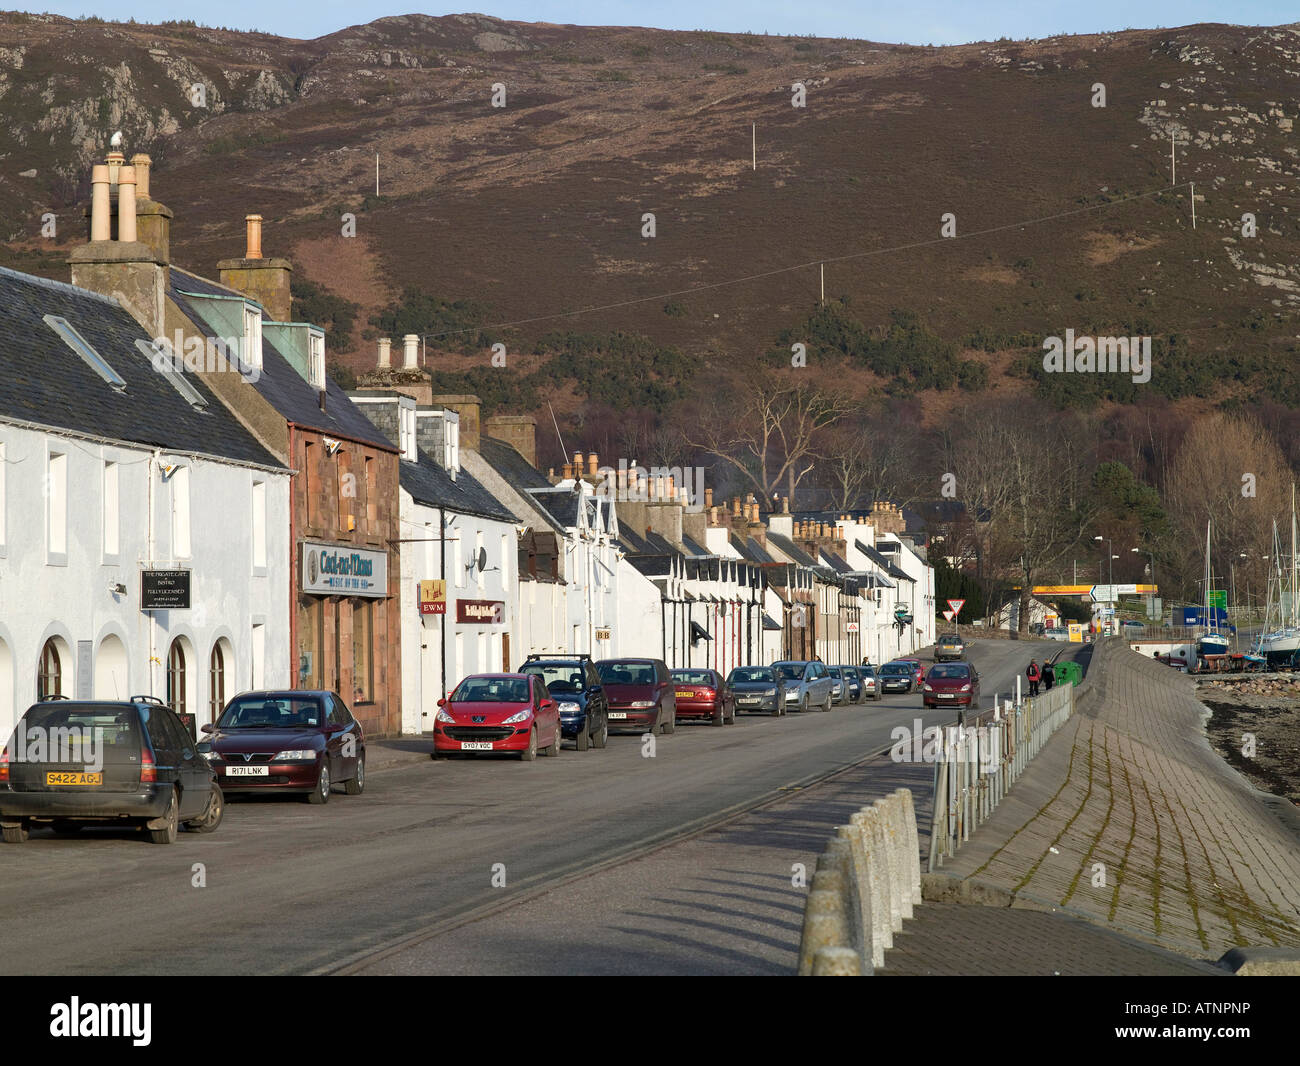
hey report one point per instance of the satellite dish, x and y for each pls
(482, 559)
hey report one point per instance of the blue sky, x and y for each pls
(914, 21)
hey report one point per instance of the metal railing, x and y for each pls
(976, 765)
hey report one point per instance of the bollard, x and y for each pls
(858, 858)
(826, 921)
(885, 809)
(882, 932)
(836, 962)
(913, 852)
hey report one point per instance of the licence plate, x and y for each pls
(476, 745)
(74, 779)
(946, 696)
(685, 694)
(616, 716)
(747, 700)
(248, 771)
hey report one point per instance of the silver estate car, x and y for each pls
(807, 684)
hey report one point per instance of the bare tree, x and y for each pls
(869, 459)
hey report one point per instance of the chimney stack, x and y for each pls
(519, 431)
(265, 280)
(385, 352)
(410, 350)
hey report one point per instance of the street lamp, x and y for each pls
(1113, 557)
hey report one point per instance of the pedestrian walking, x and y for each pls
(1034, 674)
(1049, 675)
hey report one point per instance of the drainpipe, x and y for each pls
(149, 539)
(295, 655)
(442, 574)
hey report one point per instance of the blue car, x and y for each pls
(579, 694)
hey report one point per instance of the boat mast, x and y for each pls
(1293, 617)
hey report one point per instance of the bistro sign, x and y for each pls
(335, 570)
(164, 590)
(480, 612)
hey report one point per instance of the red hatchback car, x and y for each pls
(954, 683)
(498, 712)
(703, 694)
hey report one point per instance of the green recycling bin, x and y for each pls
(1068, 672)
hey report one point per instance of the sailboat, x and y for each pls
(1211, 642)
(1282, 643)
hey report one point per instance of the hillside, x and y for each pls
(534, 209)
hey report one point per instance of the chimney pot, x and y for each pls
(100, 210)
(253, 228)
(142, 163)
(410, 351)
(708, 499)
(566, 471)
(126, 205)
(385, 352)
(785, 504)
(115, 161)
(593, 465)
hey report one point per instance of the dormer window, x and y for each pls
(316, 358)
(251, 353)
(83, 348)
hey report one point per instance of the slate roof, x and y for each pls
(561, 504)
(430, 484)
(884, 563)
(512, 466)
(786, 545)
(632, 542)
(45, 382)
(694, 548)
(837, 563)
(279, 383)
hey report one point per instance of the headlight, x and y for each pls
(296, 755)
(443, 716)
(927, 687)
(210, 755)
(769, 692)
(642, 705)
(965, 688)
(522, 716)
(569, 708)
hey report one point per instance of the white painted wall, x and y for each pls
(67, 596)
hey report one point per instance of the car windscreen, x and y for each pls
(789, 671)
(951, 638)
(742, 674)
(897, 668)
(693, 677)
(627, 673)
(68, 727)
(557, 677)
(491, 690)
(272, 712)
(950, 670)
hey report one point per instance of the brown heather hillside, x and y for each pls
(535, 208)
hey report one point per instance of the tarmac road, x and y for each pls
(284, 887)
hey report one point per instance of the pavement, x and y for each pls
(1128, 818)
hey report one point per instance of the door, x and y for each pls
(192, 768)
(165, 743)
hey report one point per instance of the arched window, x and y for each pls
(216, 682)
(176, 677)
(49, 675)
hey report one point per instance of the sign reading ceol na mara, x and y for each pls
(337, 570)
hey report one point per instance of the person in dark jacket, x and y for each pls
(1033, 674)
(1049, 675)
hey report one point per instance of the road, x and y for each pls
(284, 887)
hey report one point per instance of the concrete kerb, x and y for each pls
(866, 882)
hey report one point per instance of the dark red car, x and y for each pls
(296, 741)
(703, 694)
(498, 712)
(951, 683)
(640, 694)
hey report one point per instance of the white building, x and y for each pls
(122, 487)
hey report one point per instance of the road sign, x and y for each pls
(956, 606)
(1219, 598)
(850, 627)
(949, 615)
(1110, 593)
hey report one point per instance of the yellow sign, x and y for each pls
(1076, 632)
(433, 597)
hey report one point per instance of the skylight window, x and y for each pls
(82, 347)
(161, 358)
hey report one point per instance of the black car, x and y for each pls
(756, 689)
(897, 677)
(575, 684)
(77, 763)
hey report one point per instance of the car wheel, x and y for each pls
(167, 834)
(354, 786)
(732, 719)
(600, 738)
(529, 754)
(553, 749)
(583, 740)
(321, 793)
(15, 834)
(803, 705)
(721, 718)
(670, 726)
(213, 815)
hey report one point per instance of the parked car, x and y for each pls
(293, 741)
(897, 676)
(870, 682)
(703, 694)
(949, 646)
(1057, 633)
(498, 712)
(640, 693)
(755, 689)
(807, 683)
(852, 683)
(951, 683)
(1133, 625)
(918, 669)
(77, 763)
(579, 694)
